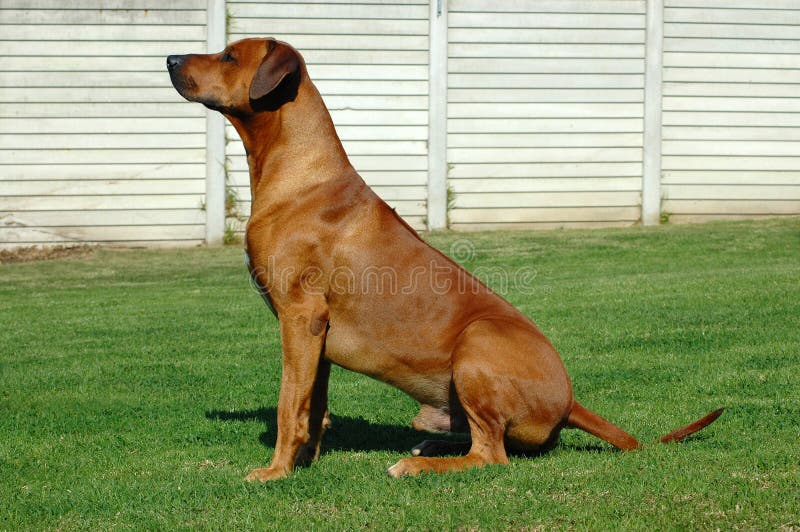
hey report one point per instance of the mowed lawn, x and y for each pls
(138, 388)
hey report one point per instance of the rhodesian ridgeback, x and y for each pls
(322, 247)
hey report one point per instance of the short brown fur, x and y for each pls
(320, 241)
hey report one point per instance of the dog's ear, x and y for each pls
(279, 62)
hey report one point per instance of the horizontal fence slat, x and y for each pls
(753, 46)
(731, 60)
(567, 80)
(544, 140)
(733, 4)
(484, 34)
(376, 102)
(365, 57)
(542, 169)
(82, 125)
(539, 215)
(88, 203)
(547, 6)
(99, 48)
(332, 87)
(731, 75)
(733, 207)
(85, 218)
(89, 17)
(702, 15)
(338, 26)
(369, 72)
(730, 163)
(753, 105)
(742, 133)
(723, 119)
(551, 184)
(674, 192)
(735, 90)
(355, 117)
(561, 95)
(534, 155)
(731, 31)
(104, 4)
(100, 110)
(119, 234)
(530, 21)
(542, 50)
(544, 125)
(101, 187)
(546, 65)
(120, 32)
(93, 156)
(537, 110)
(731, 177)
(730, 148)
(102, 141)
(537, 226)
(301, 10)
(110, 170)
(546, 199)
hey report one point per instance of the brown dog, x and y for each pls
(323, 247)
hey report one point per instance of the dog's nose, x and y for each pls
(174, 61)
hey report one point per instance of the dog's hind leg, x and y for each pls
(511, 385)
(486, 448)
(475, 386)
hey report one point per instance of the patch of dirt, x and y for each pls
(38, 253)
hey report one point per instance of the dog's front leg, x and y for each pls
(303, 333)
(318, 418)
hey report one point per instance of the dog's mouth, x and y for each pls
(184, 85)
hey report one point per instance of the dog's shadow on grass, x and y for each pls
(358, 434)
(345, 434)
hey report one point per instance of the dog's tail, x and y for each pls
(584, 419)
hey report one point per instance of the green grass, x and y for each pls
(137, 388)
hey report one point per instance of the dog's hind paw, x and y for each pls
(414, 466)
(401, 469)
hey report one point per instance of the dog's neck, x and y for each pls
(283, 145)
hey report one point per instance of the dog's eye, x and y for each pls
(228, 58)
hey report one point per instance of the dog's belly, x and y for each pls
(423, 374)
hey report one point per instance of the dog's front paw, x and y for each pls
(266, 474)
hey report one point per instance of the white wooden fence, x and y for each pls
(513, 113)
(731, 108)
(94, 146)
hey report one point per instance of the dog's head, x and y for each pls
(247, 77)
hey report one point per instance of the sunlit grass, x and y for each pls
(138, 387)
